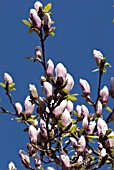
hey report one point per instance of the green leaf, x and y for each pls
(18, 119)
(29, 58)
(91, 140)
(48, 7)
(30, 31)
(71, 98)
(26, 22)
(12, 84)
(108, 131)
(109, 109)
(3, 85)
(108, 64)
(30, 120)
(94, 137)
(12, 89)
(52, 33)
(104, 70)
(65, 91)
(73, 128)
(110, 137)
(95, 70)
(52, 22)
(60, 125)
(74, 94)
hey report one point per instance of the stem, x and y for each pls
(98, 94)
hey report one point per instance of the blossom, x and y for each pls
(101, 126)
(33, 91)
(84, 110)
(47, 22)
(85, 87)
(65, 161)
(24, 158)
(103, 152)
(50, 168)
(11, 166)
(104, 93)
(37, 160)
(38, 5)
(60, 108)
(78, 110)
(111, 140)
(48, 89)
(85, 122)
(38, 52)
(69, 106)
(79, 161)
(29, 107)
(112, 87)
(66, 118)
(33, 132)
(99, 108)
(70, 82)
(91, 126)
(42, 106)
(34, 19)
(73, 141)
(81, 144)
(43, 128)
(98, 56)
(50, 68)
(18, 108)
(7, 78)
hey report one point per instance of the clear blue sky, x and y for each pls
(81, 26)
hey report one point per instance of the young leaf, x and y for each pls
(104, 70)
(71, 98)
(26, 22)
(73, 128)
(29, 58)
(109, 109)
(108, 64)
(3, 85)
(94, 137)
(47, 7)
(52, 33)
(95, 70)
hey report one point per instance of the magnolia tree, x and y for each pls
(64, 138)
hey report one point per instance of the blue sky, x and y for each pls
(81, 26)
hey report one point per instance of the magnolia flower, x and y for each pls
(78, 110)
(50, 168)
(60, 74)
(84, 110)
(79, 161)
(100, 146)
(110, 142)
(37, 160)
(38, 5)
(73, 141)
(47, 22)
(101, 127)
(33, 132)
(48, 89)
(104, 93)
(18, 108)
(7, 78)
(38, 52)
(85, 87)
(66, 118)
(29, 107)
(34, 19)
(65, 161)
(33, 91)
(59, 109)
(103, 152)
(43, 128)
(24, 158)
(85, 122)
(81, 144)
(99, 108)
(69, 106)
(50, 68)
(42, 106)
(70, 82)
(91, 126)
(98, 56)
(31, 150)
(11, 166)
(112, 87)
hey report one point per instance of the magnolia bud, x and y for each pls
(42, 106)
(33, 91)
(85, 87)
(104, 93)
(37, 160)
(29, 107)
(103, 152)
(31, 150)
(91, 126)
(81, 144)
(38, 5)
(47, 22)
(11, 166)
(69, 106)
(50, 168)
(65, 161)
(98, 56)
(99, 108)
(59, 109)
(85, 123)
(111, 140)
(101, 127)
(60, 74)
(78, 110)
(50, 68)
(73, 141)
(34, 18)
(7, 78)
(33, 132)
(66, 118)
(43, 128)
(18, 108)
(38, 52)
(112, 87)
(79, 161)
(24, 158)
(48, 89)
(84, 110)
(70, 82)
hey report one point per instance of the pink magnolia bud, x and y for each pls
(11, 166)
(91, 126)
(78, 110)
(104, 93)
(103, 152)
(60, 74)
(111, 140)
(37, 160)
(99, 108)
(100, 146)
(33, 132)
(24, 158)
(38, 52)
(98, 56)
(50, 68)
(79, 161)
(34, 122)
(85, 87)
(29, 107)
(31, 149)
(59, 109)
(81, 144)
(73, 141)
(33, 91)
(37, 6)
(101, 126)
(85, 123)
(66, 118)
(69, 106)
(7, 78)
(90, 152)
(112, 87)
(18, 108)
(65, 161)
(84, 110)
(48, 89)
(43, 128)
(34, 18)
(50, 168)
(42, 106)
(47, 22)
(70, 82)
